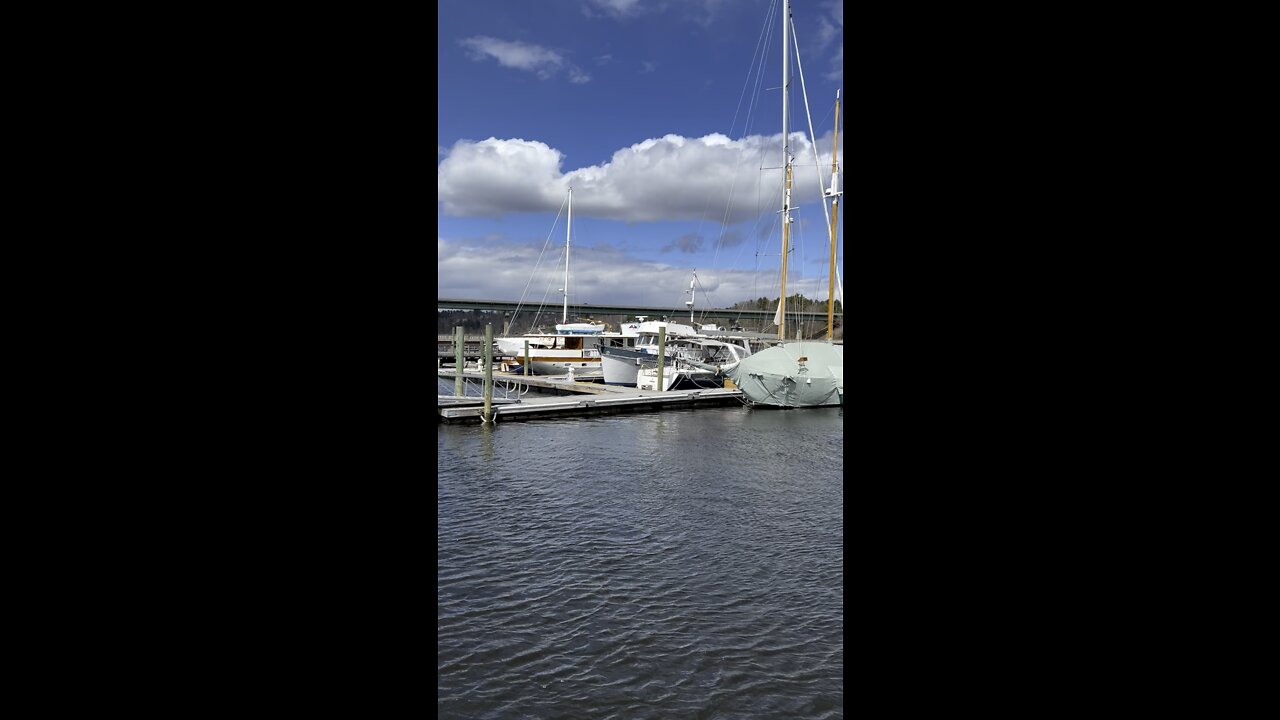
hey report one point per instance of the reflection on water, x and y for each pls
(486, 441)
(678, 564)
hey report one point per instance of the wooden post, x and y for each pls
(487, 416)
(662, 354)
(835, 213)
(526, 358)
(457, 367)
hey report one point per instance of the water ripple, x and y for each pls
(687, 564)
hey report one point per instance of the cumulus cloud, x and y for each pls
(496, 177)
(668, 178)
(541, 61)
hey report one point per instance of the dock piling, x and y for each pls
(662, 355)
(487, 416)
(457, 351)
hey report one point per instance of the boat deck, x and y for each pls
(513, 398)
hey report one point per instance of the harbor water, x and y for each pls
(678, 564)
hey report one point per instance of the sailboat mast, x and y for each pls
(786, 162)
(567, 226)
(835, 211)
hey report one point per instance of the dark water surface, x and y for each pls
(685, 564)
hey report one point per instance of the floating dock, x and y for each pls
(513, 398)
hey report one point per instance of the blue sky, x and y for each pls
(656, 112)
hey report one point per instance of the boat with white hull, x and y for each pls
(801, 373)
(619, 364)
(574, 346)
(696, 363)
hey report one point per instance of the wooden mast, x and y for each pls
(835, 212)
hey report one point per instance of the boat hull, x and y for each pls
(582, 367)
(619, 365)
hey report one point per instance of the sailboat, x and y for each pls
(802, 373)
(574, 346)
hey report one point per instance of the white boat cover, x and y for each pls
(794, 374)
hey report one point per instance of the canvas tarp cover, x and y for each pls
(776, 376)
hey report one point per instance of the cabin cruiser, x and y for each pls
(696, 364)
(574, 346)
(619, 363)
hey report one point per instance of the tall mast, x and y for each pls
(781, 319)
(835, 212)
(567, 225)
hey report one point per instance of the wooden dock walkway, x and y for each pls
(571, 399)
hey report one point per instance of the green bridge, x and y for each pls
(654, 313)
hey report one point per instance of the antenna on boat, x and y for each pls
(689, 302)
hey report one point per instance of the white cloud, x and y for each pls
(474, 269)
(828, 32)
(615, 8)
(709, 11)
(543, 62)
(496, 177)
(703, 12)
(668, 178)
(837, 66)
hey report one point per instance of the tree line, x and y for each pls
(796, 302)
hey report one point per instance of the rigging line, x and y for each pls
(759, 180)
(545, 243)
(813, 142)
(766, 32)
(760, 44)
(759, 51)
(822, 121)
(705, 293)
(547, 291)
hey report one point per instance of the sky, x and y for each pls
(665, 116)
